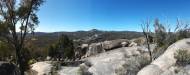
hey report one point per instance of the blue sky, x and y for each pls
(74, 15)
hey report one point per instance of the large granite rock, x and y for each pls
(108, 45)
(81, 51)
(94, 48)
(110, 62)
(8, 69)
(166, 60)
(41, 68)
(100, 47)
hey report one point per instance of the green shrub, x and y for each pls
(120, 71)
(62, 49)
(183, 57)
(31, 61)
(159, 51)
(6, 51)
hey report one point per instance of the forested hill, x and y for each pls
(93, 35)
(41, 41)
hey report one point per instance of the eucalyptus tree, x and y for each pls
(17, 19)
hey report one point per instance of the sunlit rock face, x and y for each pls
(42, 68)
(163, 64)
(110, 62)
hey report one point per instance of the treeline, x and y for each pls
(62, 49)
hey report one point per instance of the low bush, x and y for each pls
(183, 57)
(120, 71)
(134, 64)
(84, 70)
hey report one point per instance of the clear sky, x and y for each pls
(74, 15)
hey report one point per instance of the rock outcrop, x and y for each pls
(166, 60)
(100, 47)
(111, 61)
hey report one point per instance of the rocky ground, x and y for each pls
(131, 60)
(108, 63)
(165, 64)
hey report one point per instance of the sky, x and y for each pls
(115, 15)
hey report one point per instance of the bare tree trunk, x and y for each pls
(148, 44)
(146, 32)
(19, 60)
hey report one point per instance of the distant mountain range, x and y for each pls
(93, 35)
(43, 39)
